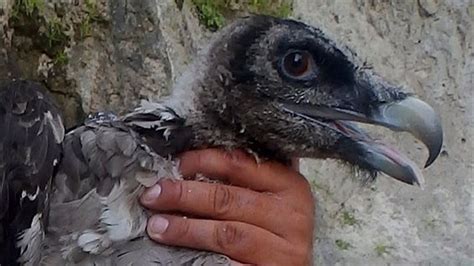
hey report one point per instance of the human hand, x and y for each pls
(265, 217)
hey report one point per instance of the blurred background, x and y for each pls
(96, 55)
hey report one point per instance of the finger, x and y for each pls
(240, 241)
(239, 168)
(222, 202)
(236, 263)
(295, 164)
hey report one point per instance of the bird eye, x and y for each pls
(298, 65)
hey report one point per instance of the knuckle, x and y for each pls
(183, 229)
(228, 236)
(221, 199)
(201, 158)
(179, 195)
(236, 159)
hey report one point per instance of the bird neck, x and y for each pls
(205, 120)
(198, 97)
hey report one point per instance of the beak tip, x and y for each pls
(420, 183)
(430, 161)
(417, 178)
(435, 148)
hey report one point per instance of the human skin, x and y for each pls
(265, 217)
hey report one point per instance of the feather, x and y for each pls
(116, 165)
(29, 150)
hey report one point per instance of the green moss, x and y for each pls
(27, 7)
(275, 8)
(382, 249)
(56, 34)
(316, 186)
(92, 15)
(85, 29)
(342, 245)
(56, 41)
(61, 58)
(51, 32)
(213, 13)
(348, 218)
(431, 223)
(210, 13)
(48, 35)
(92, 11)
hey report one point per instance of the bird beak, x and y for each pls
(410, 114)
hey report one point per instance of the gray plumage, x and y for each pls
(278, 88)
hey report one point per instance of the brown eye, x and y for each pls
(298, 64)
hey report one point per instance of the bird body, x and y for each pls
(275, 87)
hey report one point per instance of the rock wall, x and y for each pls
(107, 54)
(428, 46)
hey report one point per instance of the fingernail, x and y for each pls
(152, 193)
(158, 224)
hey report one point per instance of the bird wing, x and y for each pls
(143, 251)
(95, 215)
(108, 148)
(106, 161)
(30, 147)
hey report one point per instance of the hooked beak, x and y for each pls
(410, 114)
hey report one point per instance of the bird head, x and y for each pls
(288, 90)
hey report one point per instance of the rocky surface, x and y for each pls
(110, 54)
(427, 46)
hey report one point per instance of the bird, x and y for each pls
(278, 88)
(30, 147)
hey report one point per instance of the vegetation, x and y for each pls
(316, 186)
(92, 15)
(382, 249)
(49, 31)
(48, 34)
(27, 7)
(61, 58)
(56, 34)
(212, 13)
(275, 8)
(431, 223)
(348, 218)
(342, 245)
